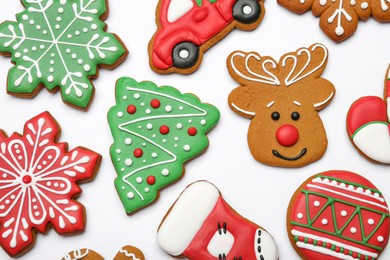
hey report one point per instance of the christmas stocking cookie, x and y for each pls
(156, 131)
(201, 225)
(368, 125)
(125, 253)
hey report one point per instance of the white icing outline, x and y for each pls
(174, 157)
(348, 196)
(323, 102)
(243, 111)
(270, 79)
(77, 254)
(270, 104)
(297, 103)
(128, 254)
(299, 75)
(295, 232)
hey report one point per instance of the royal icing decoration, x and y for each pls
(38, 179)
(201, 225)
(156, 130)
(59, 43)
(187, 28)
(125, 253)
(282, 99)
(339, 215)
(368, 125)
(339, 18)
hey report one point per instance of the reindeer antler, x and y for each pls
(252, 67)
(302, 63)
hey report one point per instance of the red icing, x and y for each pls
(242, 230)
(43, 177)
(164, 129)
(131, 109)
(287, 135)
(151, 180)
(365, 110)
(350, 225)
(155, 103)
(198, 26)
(192, 131)
(27, 179)
(138, 152)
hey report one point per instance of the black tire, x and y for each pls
(247, 11)
(190, 57)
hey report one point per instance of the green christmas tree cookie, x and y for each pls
(156, 130)
(59, 43)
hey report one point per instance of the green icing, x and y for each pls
(338, 232)
(163, 155)
(200, 2)
(59, 44)
(350, 183)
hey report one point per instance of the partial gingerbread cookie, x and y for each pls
(282, 99)
(368, 125)
(201, 225)
(339, 18)
(338, 215)
(59, 44)
(125, 253)
(39, 184)
(156, 131)
(82, 254)
(188, 28)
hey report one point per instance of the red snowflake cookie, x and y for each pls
(38, 182)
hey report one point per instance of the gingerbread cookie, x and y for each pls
(338, 215)
(125, 253)
(187, 28)
(368, 125)
(282, 99)
(156, 131)
(201, 225)
(39, 184)
(339, 18)
(59, 44)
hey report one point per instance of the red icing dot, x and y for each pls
(155, 103)
(301, 239)
(131, 109)
(27, 179)
(310, 241)
(354, 255)
(164, 129)
(328, 245)
(192, 131)
(346, 251)
(337, 249)
(151, 180)
(138, 152)
(319, 243)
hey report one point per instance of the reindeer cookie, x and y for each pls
(283, 100)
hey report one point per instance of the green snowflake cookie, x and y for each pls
(156, 130)
(59, 43)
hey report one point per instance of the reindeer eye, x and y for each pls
(275, 116)
(295, 116)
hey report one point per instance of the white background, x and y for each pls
(261, 193)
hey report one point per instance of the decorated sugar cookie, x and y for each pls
(368, 125)
(39, 183)
(338, 215)
(201, 225)
(156, 131)
(339, 18)
(125, 253)
(59, 44)
(282, 99)
(187, 28)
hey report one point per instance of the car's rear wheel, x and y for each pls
(247, 11)
(185, 55)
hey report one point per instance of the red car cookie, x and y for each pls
(187, 28)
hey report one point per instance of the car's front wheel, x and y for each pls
(247, 11)
(185, 55)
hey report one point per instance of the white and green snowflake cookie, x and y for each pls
(156, 131)
(59, 44)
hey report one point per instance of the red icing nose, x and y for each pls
(287, 135)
